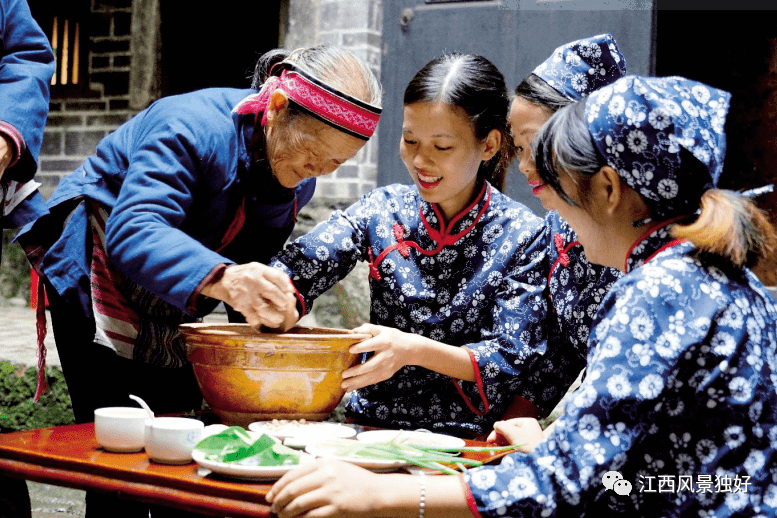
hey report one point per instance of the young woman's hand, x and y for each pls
(331, 488)
(393, 350)
(264, 295)
(525, 431)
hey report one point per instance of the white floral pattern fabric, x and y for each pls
(575, 289)
(641, 124)
(680, 382)
(477, 283)
(578, 68)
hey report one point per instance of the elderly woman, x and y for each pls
(179, 208)
(677, 414)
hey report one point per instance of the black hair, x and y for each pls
(265, 64)
(564, 145)
(475, 85)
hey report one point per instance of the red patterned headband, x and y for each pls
(337, 109)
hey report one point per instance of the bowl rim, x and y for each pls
(206, 329)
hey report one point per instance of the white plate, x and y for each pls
(412, 438)
(242, 472)
(308, 430)
(323, 451)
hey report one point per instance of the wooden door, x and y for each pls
(515, 35)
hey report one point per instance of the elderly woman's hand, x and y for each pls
(525, 431)
(264, 295)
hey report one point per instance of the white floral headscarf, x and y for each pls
(578, 68)
(640, 124)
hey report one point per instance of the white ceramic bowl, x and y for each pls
(170, 440)
(120, 429)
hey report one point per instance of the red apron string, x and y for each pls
(41, 327)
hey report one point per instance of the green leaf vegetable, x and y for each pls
(235, 445)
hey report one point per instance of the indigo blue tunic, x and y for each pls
(26, 67)
(476, 282)
(679, 400)
(174, 179)
(575, 288)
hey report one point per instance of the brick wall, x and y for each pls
(76, 124)
(357, 25)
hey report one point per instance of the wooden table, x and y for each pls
(70, 456)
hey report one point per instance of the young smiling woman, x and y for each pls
(680, 398)
(442, 154)
(457, 316)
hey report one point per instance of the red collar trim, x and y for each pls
(442, 239)
(670, 244)
(650, 230)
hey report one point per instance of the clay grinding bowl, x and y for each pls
(248, 376)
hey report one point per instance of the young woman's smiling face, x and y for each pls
(442, 154)
(525, 121)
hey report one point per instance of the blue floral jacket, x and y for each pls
(677, 415)
(575, 288)
(477, 282)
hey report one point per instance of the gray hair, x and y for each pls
(564, 144)
(333, 65)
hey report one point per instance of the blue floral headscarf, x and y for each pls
(641, 124)
(578, 68)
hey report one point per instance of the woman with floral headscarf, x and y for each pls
(575, 286)
(677, 416)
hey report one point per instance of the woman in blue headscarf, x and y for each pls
(575, 287)
(677, 415)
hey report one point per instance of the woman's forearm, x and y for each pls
(444, 497)
(443, 358)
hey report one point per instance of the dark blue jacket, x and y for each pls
(26, 67)
(173, 178)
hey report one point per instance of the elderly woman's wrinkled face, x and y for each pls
(305, 148)
(525, 121)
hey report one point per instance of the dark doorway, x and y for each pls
(207, 43)
(737, 52)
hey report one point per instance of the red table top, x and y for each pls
(70, 456)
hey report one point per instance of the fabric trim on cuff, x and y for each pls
(215, 274)
(17, 141)
(471, 504)
(303, 307)
(478, 381)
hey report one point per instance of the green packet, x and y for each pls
(235, 445)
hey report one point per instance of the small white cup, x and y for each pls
(170, 440)
(120, 429)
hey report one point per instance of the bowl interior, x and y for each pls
(248, 332)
